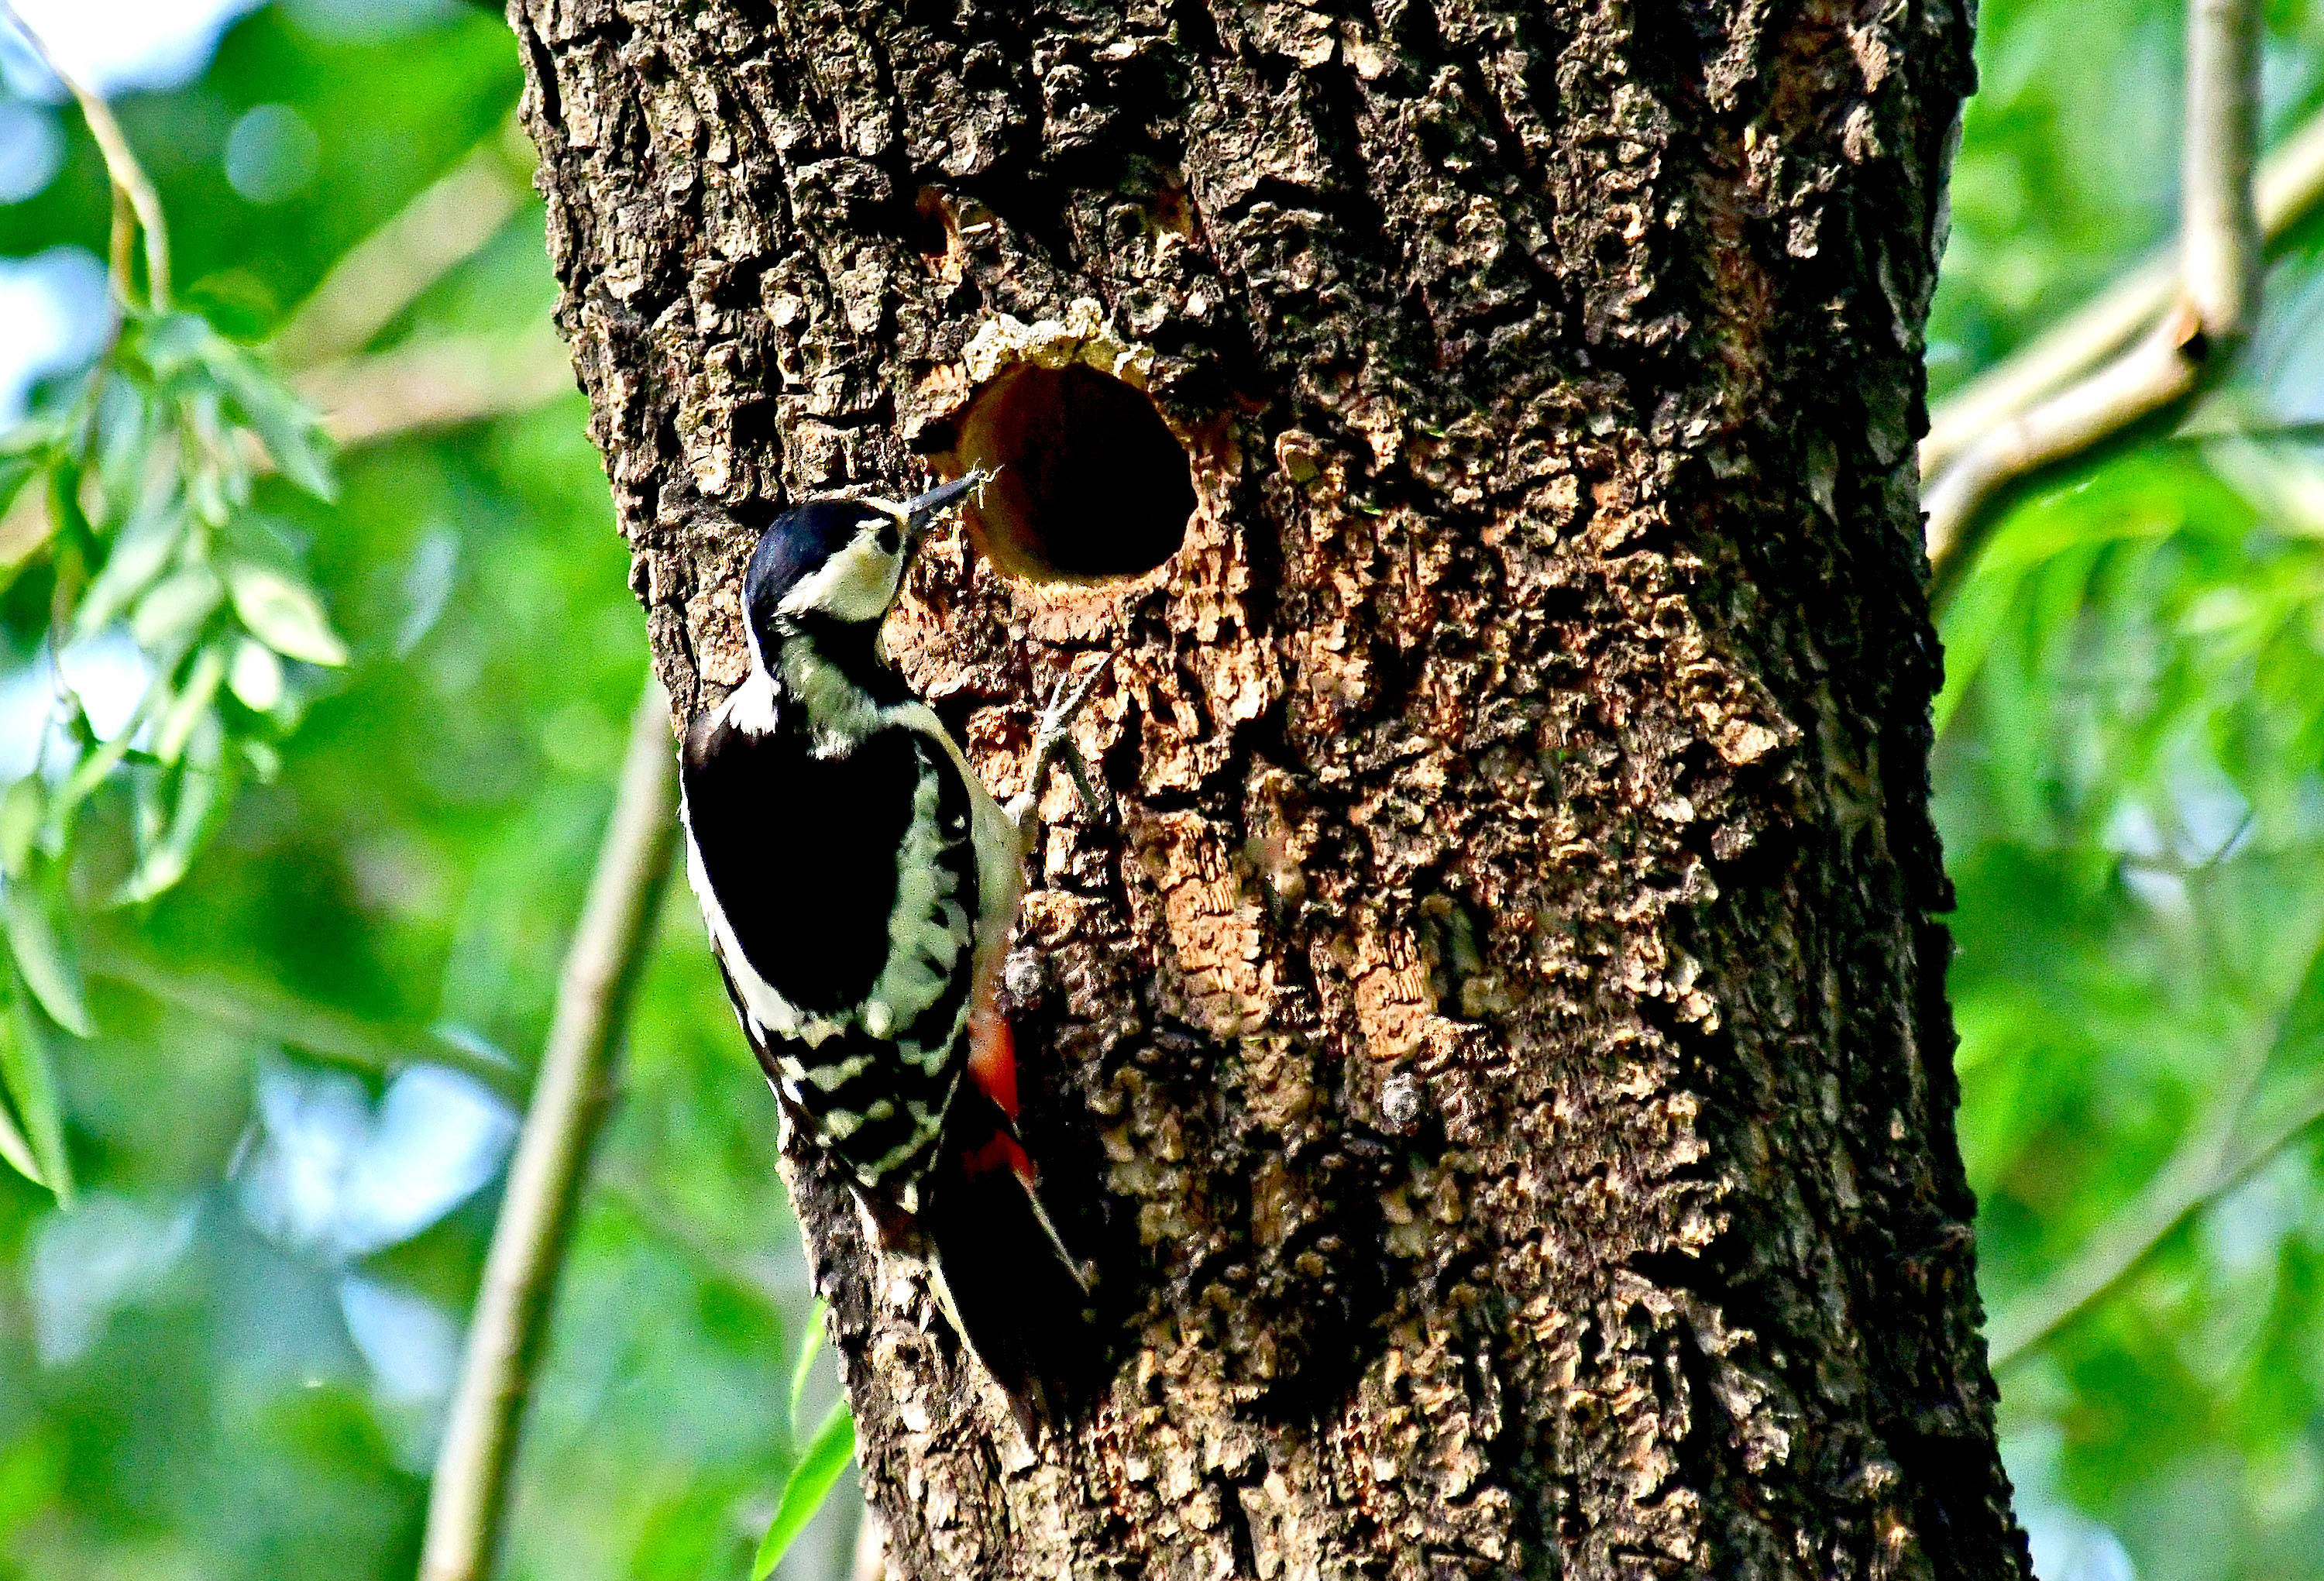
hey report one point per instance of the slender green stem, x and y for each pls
(2244, 1130)
(318, 1031)
(570, 1096)
(129, 179)
(2204, 1170)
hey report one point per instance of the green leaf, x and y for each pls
(67, 520)
(176, 345)
(15, 1146)
(16, 469)
(803, 1369)
(40, 959)
(91, 771)
(284, 423)
(176, 607)
(126, 438)
(20, 823)
(283, 615)
(189, 355)
(138, 555)
(810, 1482)
(191, 706)
(257, 676)
(28, 1068)
(201, 796)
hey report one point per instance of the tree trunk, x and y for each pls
(1498, 1058)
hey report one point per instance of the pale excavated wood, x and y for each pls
(1501, 1056)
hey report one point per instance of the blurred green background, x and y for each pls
(230, 1360)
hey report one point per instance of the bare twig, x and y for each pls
(569, 1100)
(128, 177)
(2212, 1163)
(2218, 288)
(2220, 232)
(318, 1031)
(2291, 184)
(386, 272)
(439, 384)
(2155, 374)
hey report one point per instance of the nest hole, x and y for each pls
(1089, 484)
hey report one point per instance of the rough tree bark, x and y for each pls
(1499, 1058)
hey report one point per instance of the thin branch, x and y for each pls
(2290, 185)
(2155, 375)
(384, 274)
(2219, 288)
(439, 384)
(2220, 234)
(570, 1097)
(2206, 1168)
(314, 1030)
(121, 166)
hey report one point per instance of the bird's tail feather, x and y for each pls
(1012, 1291)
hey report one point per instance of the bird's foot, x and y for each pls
(1053, 747)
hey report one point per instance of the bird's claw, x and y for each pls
(1053, 746)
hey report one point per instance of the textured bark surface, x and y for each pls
(1499, 1060)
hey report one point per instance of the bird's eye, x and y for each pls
(890, 539)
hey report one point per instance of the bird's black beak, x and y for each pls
(920, 512)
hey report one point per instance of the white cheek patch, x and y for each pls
(857, 584)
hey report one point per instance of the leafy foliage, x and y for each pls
(202, 1372)
(230, 1358)
(2130, 785)
(149, 542)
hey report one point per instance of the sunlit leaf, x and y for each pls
(36, 1121)
(820, 1466)
(176, 607)
(92, 771)
(16, 469)
(46, 969)
(67, 522)
(192, 704)
(803, 1369)
(282, 614)
(201, 794)
(177, 346)
(256, 678)
(15, 1147)
(139, 554)
(19, 825)
(127, 440)
(284, 423)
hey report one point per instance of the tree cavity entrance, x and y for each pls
(1089, 484)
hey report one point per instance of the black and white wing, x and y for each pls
(842, 898)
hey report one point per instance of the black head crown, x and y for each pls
(838, 560)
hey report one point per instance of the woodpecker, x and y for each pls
(860, 885)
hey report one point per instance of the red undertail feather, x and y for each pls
(1018, 1296)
